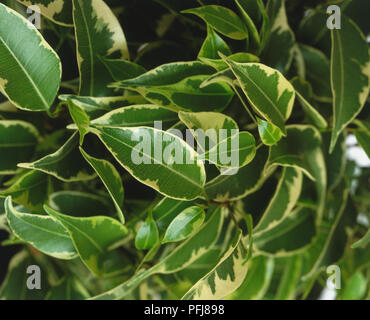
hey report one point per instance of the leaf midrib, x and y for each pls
(42, 98)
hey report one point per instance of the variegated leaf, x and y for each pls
(350, 78)
(222, 19)
(41, 231)
(171, 168)
(98, 33)
(30, 81)
(66, 164)
(111, 180)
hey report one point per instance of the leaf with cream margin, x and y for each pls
(225, 277)
(167, 210)
(168, 163)
(269, 133)
(283, 201)
(301, 150)
(31, 189)
(177, 85)
(42, 232)
(219, 64)
(248, 179)
(279, 50)
(29, 81)
(98, 34)
(92, 237)
(222, 20)
(111, 180)
(350, 78)
(269, 93)
(58, 11)
(293, 234)
(209, 125)
(182, 256)
(185, 224)
(18, 141)
(66, 164)
(98, 106)
(136, 116)
(236, 151)
(212, 44)
(257, 281)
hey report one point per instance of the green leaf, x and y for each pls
(80, 118)
(18, 140)
(167, 210)
(14, 286)
(247, 180)
(31, 190)
(291, 235)
(66, 164)
(279, 50)
(330, 243)
(269, 93)
(226, 277)
(181, 179)
(42, 232)
(212, 45)
(355, 288)
(243, 7)
(92, 237)
(257, 281)
(185, 224)
(317, 67)
(58, 11)
(29, 81)
(137, 115)
(111, 180)
(147, 237)
(79, 204)
(177, 85)
(304, 93)
(183, 255)
(69, 288)
(98, 34)
(290, 278)
(122, 69)
(350, 78)
(269, 133)
(222, 20)
(283, 201)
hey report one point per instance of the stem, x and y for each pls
(245, 106)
